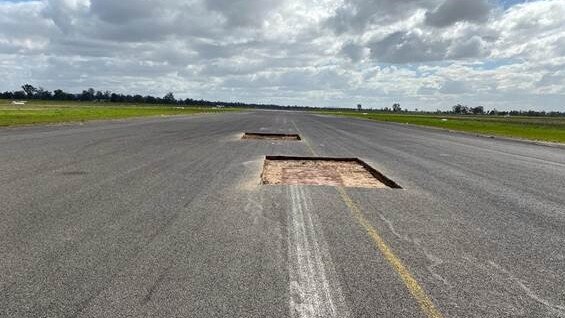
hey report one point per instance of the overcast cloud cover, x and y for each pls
(422, 53)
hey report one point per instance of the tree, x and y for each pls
(138, 99)
(116, 98)
(41, 93)
(58, 94)
(99, 96)
(19, 95)
(460, 109)
(87, 95)
(479, 110)
(396, 107)
(150, 99)
(29, 90)
(169, 98)
(7, 95)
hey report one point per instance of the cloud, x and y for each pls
(358, 15)
(243, 13)
(353, 51)
(472, 47)
(407, 47)
(325, 52)
(65, 14)
(125, 11)
(419, 46)
(454, 87)
(452, 11)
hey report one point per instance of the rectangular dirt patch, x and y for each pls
(270, 136)
(347, 172)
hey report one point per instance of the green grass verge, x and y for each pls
(550, 129)
(40, 112)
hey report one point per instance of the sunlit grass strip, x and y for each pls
(550, 129)
(43, 114)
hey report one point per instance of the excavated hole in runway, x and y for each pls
(270, 136)
(346, 172)
(74, 173)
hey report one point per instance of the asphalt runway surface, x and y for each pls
(167, 217)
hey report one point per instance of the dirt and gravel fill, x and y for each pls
(319, 172)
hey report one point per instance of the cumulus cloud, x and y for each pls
(358, 15)
(452, 11)
(406, 47)
(327, 52)
(125, 11)
(353, 51)
(454, 87)
(241, 13)
(472, 47)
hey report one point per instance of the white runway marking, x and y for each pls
(314, 287)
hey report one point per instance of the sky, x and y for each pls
(425, 54)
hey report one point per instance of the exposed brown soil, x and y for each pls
(269, 136)
(347, 173)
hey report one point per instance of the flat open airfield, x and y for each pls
(166, 217)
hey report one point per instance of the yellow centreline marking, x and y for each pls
(304, 139)
(411, 283)
(415, 289)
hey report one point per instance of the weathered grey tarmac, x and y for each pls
(165, 217)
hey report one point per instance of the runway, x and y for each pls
(167, 217)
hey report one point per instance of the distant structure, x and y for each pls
(359, 107)
(15, 102)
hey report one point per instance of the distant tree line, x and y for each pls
(480, 110)
(31, 92)
(467, 110)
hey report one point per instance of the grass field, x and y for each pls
(533, 128)
(41, 112)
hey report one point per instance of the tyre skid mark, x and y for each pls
(314, 287)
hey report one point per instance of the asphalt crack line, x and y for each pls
(411, 283)
(530, 293)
